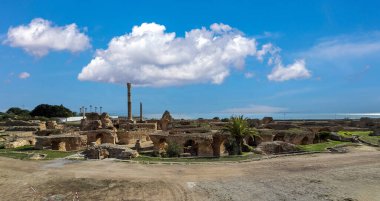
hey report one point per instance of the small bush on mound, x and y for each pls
(173, 150)
(231, 146)
(322, 136)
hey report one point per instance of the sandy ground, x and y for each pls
(350, 176)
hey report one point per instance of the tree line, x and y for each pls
(42, 110)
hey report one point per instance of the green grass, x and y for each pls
(322, 146)
(26, 152)
(147, 158)
(363, 135)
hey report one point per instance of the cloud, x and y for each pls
(249, 75)
(149, 56)
(345, 46)
(24, 75)
(40, 37)
(255, 109)
(297, 70)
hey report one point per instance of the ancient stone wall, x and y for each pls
(110, 151)
(197, 144)
(131, 137)
(61, 142)
(101, 136)
(94, 121)
(19, 142)
(293, 136)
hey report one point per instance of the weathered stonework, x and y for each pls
(94, 121)
(101, 136)
(131, 137)
(20, 142)
(208, 144)
(275, 147)
(61, 142)
(293, 136)
(110, 151)
(166, 121)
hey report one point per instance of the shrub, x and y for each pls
(173, 150)
(225, 120)
(231, 146)
(18, 111)
(46, 110)
(322, 136)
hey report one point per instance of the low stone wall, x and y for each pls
(293, 136)
(22, 128)
(275, 148)
(19, 125)
(61, 142)
(138, 126)
(110, 151)
(48, 132)
(19, 142)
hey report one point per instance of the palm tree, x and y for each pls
(239, 129)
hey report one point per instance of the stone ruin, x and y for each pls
(275, 147)
(20, 133)
(166, 121)
(20, 125)
(293, 136)
(108, 150)
(94, 121)
(101, 136)
(192, 140)
(61, 142)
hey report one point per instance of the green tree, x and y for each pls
(239, 129)
(49, 111)
(18, 111)
(173, 150)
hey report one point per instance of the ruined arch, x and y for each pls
(279, 137)
(162, 144)
(99, 138)
(191, 147)
(251, 141)
(58, 145)
(304, 140)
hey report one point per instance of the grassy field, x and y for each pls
(363, 135)
(322, 146)
(26, 152)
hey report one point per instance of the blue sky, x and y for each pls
(328, 63)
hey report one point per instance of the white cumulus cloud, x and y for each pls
(148, 56)
(297, 70)
(24, 75)
(40, 37)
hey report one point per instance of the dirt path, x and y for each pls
(351, 176)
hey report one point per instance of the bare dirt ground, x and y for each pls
(350, 176)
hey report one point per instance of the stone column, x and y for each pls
(141, 112)
(129, 102)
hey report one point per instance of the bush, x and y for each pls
(225, 120)
(231, 146)
(322, 136)
(45, 110)
(18, 111)
(173, 150)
